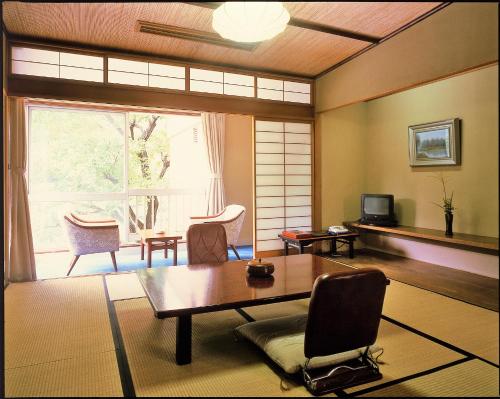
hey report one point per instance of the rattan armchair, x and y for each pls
(87, 236)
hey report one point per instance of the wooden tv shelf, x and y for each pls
(469, 240)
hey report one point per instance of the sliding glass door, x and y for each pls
(144, 170)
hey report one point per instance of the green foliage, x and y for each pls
(447, 202)
(76, 151)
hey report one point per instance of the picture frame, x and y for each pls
(435, 143)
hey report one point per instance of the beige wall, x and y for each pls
(459, 37)
(238, 167)
(472, 97)
(365, 148)
(342, 161)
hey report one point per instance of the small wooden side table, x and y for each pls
(155, 241)
(300, 243)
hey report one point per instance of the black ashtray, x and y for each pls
(259, 268)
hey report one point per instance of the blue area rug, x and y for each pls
(54, 265)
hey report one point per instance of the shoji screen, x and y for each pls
(283, 179)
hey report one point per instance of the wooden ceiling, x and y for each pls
(296, 51)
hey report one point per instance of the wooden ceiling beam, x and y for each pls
(192, 34)
(302, 23)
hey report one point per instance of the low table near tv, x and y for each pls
(300, 243)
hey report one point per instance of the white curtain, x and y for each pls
(22, 257)
(214, 130)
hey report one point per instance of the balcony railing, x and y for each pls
(166, 209)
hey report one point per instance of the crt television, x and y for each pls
(378, 210)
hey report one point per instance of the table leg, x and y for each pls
(285, 244)
(333, 250)
(183, 340)
(150, 253)
(142, 250)
(351, 248)
(165, 251)
(175, 253)
(301, 248)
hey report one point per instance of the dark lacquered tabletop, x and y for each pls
(178, 290)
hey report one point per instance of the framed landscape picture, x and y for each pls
(435, 143)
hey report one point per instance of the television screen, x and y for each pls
(376, 206)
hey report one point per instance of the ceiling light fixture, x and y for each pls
(248, 21)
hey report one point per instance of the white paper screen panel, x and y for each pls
(268, 170)
(276, 223)
(297, 87)
(138, 73)
(127, 78)
(297, 97)
(166, 83)
(297, 211)
(82, 61)
(297, 221)
(298, 201)
(269, 126)
(35, 55)
(269, 159)
(206, 87)
(269, 148)
(267, 94)
(273, 84)
(206, 75)
(270, 191)
(269, 137)
(236, 90)
(269, 245)
(89, 75)
(298, 169)
(297, 138)
(283, 180)
(270, 213)
(56, 64)
(298, 190)
(269, 234)
(301, 180)
(237, 79)
(298, 148)
(273, 202)
(118, 64)
(274, 180)
(35, 69)
(297, 159)
(293, 127)
(170, 71)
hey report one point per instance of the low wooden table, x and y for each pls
(208, 288)
(300, 243)
(155, 241)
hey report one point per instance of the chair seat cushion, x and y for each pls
(282, 339)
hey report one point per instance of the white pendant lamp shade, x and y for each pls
(248, 22)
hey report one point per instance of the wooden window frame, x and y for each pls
(159, 60)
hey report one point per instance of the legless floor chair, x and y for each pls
(231, 218)
(90, 237)
(206, 243)
(333, 344)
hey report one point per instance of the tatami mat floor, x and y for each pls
(82, 337)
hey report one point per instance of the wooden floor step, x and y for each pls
(465, 286)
